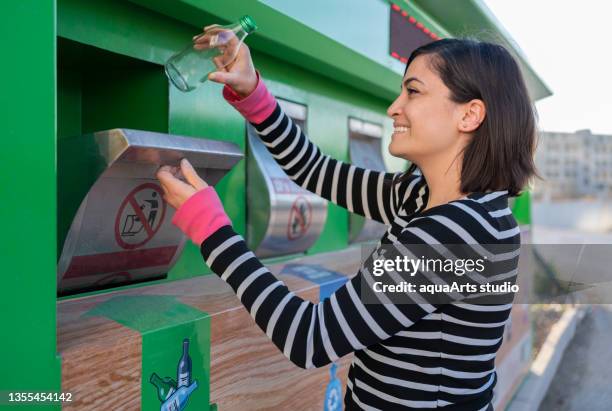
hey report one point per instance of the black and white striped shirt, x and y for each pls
(407, 356)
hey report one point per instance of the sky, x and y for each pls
(569, 45)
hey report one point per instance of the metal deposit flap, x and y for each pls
(120, 228)
(283, 218)
(365, 151)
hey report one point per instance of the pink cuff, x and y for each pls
(257, 106)
(201, 215)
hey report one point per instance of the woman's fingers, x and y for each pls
(220, 38)
(164, 174)
(204, 41)
(168, 179)
(204, 31)
(192, 176)
(210, 36)
(218, 62)
(211, 26)
(176, 192)
(224, 77)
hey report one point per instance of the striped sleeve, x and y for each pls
(313, 335)
(366, 192)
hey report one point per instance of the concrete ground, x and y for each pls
(584, 377)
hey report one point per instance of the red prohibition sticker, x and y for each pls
(140, 216)
(300, 217)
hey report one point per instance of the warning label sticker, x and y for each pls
(120, 234)
(300, 217)
(140, 216)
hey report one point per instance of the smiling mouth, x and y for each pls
(400, 129)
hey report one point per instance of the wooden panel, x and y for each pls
(101, 364)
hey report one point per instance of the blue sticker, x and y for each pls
(333, 393)
(329, 281)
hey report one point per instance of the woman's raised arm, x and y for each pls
(369, 193)
(362, 191)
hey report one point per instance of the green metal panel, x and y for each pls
(127, 97)
(288, 40)
(124, 27)
(27, 187)
(121, 27)
(68, 102)
(521, 209)
(361, 25)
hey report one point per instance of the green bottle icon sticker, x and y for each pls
(165, 386)
(174, 396)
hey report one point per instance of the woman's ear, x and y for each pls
(474, 113)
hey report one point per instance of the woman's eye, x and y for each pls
(411, 91)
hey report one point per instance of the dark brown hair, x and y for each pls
(500, 155)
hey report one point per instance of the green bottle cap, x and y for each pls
(248, 24)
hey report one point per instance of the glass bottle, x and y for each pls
(165, 386)
(178, 400)
(183, 372)
(217, 47)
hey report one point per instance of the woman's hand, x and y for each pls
(177, 191)
(240, 75)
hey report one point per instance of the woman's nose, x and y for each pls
(393, 109)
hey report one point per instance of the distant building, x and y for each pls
(574, 165)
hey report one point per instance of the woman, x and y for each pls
(465, 121)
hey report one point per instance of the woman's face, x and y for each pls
(424, 117)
